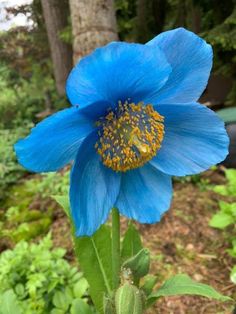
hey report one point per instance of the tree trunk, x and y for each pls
(142, 17)
(93, 24)
(159, 12)
(55, 16)
(196, 19)
(181, 14)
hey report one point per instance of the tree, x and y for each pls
(142, 21)
(93, 24)
(56, 19)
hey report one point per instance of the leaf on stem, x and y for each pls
(63, 201)
(131, 244)
(94, 254)
(182, 284)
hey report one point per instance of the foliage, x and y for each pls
(25, 67)
(132, 271)
(223, 38)
(27, 92)
(22, 100)
(140, 20)
(226, 216)
(95, 261)
(182, 284)
(125, 13)
(202, 183)
(228, 189)
(24, 224)
(10, 170)
(29, 210)
(228, 115)
(131, 236)
(51, 183)
(37, 279)
(66, 34)
(21, 47)
(27, 86)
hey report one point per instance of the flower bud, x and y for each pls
(139, 264)
(128, 300)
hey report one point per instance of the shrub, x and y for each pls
(10, 170)
(37, 279)
(225, 218)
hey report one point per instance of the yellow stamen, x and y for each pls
(130, 136)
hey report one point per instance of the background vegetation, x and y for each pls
(38, 279)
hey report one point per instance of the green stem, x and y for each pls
(115, 247)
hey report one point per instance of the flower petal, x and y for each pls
(54, 142)
(96, 110)
(195, 139)
(116, 72)
(93, 189)
(191, 60)
(145, 194)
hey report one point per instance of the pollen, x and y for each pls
(129, 136)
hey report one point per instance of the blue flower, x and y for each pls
(134, 122)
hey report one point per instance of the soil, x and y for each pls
(182, 243)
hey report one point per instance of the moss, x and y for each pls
(19, 196)
(20, 220)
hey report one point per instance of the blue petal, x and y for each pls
(145, 194)
(116, 72)
(96, 110)
(54, 142)
(191, 60)
(195, 139)
(93, 190)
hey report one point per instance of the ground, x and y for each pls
(181, 243)
(184, 243)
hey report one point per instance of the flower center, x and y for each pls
(129, 136)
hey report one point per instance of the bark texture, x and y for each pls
(142, 26)
(93, 24)
(159, 12)
(55, 16)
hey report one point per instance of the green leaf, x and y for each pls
(228, 208)
(80, 307)
(9, 304)
(69, 294)
(232, 207)
(80, 288)
(95, 261)
(181, 285)
(109, 306)
(61, 301)
(220, 189)
(19, 289)
(230, 187)
(138, 264)
(149, 284)
(233, 275)
(57, 311)
(221, 220)
(227, 114)
(131, 243)
(63, 201)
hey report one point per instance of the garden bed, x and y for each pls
(182, 242)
